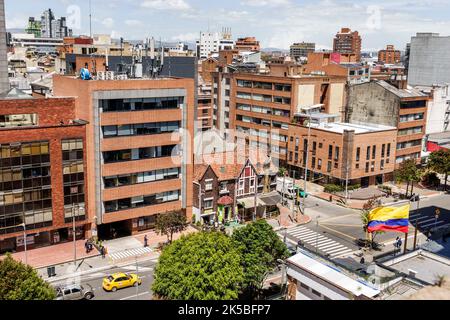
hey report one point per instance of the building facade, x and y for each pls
(4, 82)
(43, 173)
(381, 103)
(389, 55)
(301, 50)
(139, 146)
(429, 60)
(247, 44)
(348, 42)
(214, 42)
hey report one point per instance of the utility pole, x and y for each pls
(74, 234)
(90, 18)
(137, 287)
(346, 181)
(306, 162)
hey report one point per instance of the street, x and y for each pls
(143, 292)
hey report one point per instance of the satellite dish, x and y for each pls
(85, 74)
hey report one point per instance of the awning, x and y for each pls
(271, 200)
(249, 202)
(225, 201)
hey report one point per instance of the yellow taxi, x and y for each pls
(120, 281)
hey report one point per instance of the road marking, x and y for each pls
(130, 253)
(431, 224)
(134, 296)
(301, 233)
(338, 232)
(336, 218)
(341, 225)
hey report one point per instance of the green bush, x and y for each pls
(333, 188)
(431, 179)
(354, 187)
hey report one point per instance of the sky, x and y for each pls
(276, 23)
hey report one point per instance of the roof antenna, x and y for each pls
(90, 18)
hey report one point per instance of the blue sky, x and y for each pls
(276, 23)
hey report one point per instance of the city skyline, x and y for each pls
(379, 23)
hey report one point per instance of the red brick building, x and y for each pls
(348, 42)
(389, 55)
(42, 172)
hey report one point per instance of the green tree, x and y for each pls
(409, 173)
(439, 162)
(260, 248)
(21, 282)
(282, 172)
(200, 266)
(170, 223)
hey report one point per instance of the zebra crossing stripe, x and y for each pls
(426, 221)
(301, 233)
(336, 249)
(313, 236)
(332, 247)
(431, 224)
(326, 244)
(343, 251)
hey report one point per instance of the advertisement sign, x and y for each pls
(20, 243)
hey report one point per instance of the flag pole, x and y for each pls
(406, 243)
(415, 235)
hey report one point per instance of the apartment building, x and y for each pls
(335, 64)
(247, 44)
(301, 50)
(139, 148)
(335, 152)
(43, 173)
(389, 55)
(348, 42)
(263, 106)
(379, 102)
(211, 42)
(204, 106)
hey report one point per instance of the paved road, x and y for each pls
(145, 271)
(334, 229)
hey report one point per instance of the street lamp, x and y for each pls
(24, 226)
(283, 274)
(306, 162)
(74, 234)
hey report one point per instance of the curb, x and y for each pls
(84, 273)
(64, 262)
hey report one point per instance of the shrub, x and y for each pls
(333, 188)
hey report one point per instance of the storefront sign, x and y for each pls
(19, 240)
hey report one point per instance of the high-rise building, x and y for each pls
(213, 42)
(429, 60)
(348, 42)
(42, 172)
(247, 44)
(301, 50)
(47, 18)
(389, 55)
(139, 148)
(34, 27)
(4, 81)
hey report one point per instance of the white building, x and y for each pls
(438, 113)
(214, 42)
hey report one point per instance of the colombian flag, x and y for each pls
(389, 219)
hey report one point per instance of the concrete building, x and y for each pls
(381, 103)
(335, 64)
(301, 50)
(42, 172)
(262, 107)
(312, 279)
(204, 108)
(211, 42)
(52, 27)
(34, 27)
(247, 44)
(429, 60)
(363, 154)
(389, 55)
(4, 82)
(140, 165)
(348, 42)
(438, 114)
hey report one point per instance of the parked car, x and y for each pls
(120, 281)
(75, 292)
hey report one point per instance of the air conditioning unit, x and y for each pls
(101, 75)
(109, 75)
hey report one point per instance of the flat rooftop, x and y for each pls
(426, 266)
(332, 275)
(359, 128)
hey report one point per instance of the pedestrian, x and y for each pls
(145, 241)
(103, 252)
(86, 246)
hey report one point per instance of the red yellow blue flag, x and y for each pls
(389, 219)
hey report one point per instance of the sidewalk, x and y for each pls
(287, 220)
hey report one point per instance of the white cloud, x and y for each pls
(265, 3)
(176, 5)
(186, 37)
(133, 23)
(108, 22)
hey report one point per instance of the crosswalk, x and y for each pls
(425, 221)
(129, 253)
(324, 244)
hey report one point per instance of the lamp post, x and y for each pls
(24, 226)
(74, 235)
(306, 163)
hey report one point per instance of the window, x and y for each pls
(358, 154)
(374, 152)
(372, 167)
(208, 185)
(319, 164)
(367, 167)
(304, 286)
(329, 166)
(410, 131)
(382, 165)
(336, 155)
(317, 293)
(388, 150)
(126, 105)
(383, 150)
(357, 166)
(207, 204)
(18, 120)
(330, 152)
(368, 153)
(141, 201)
(140, 154)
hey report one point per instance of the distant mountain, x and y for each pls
(274, 49)
(16, 30)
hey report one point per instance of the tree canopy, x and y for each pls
(260, 248)
(21, 282)
(409, 173)
(170, 223)
(200, 266)
(439, 162)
